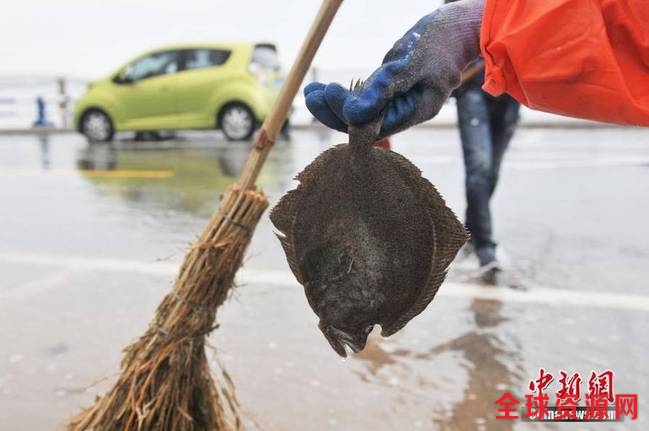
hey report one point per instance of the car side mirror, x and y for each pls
(124, 77)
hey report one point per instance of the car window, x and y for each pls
(266, 57)
(200, 58)
(161, 63)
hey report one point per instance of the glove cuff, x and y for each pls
(460, 24)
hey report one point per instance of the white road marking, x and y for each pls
(584, 162)
(39, 285)
(548, 161)
(549, 296)
(117, 173)
(81, 263)
(534, 295)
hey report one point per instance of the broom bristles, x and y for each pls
(165, 381)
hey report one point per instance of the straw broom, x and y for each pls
(165, 382)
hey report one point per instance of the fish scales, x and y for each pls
(368, 237)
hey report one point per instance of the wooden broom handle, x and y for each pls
(266, 136)
(472, 71)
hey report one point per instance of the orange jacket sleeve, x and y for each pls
(581, 58)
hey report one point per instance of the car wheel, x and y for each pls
(97, 126)
(147, 135)
(237, 122)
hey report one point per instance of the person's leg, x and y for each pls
(475, 133)
(504, 119)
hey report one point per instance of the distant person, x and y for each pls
(41, 114)
(486, 124)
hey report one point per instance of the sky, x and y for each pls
(88, 39)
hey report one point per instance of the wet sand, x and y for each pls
(91, 236)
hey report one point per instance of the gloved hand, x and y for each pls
(417, 75)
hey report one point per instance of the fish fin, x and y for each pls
(426, 295)
(309, 173)
(449, 236)
(285, 213)
(449, 231)
(434, 283)
(283, 216)
(291, 258)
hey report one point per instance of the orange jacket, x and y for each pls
(582, 58)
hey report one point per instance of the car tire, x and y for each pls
(97, 126)
(285, 131)
(237, 122)
(147, 135)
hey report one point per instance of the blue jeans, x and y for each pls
(487, 125)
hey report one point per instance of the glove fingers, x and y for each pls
(336, 95)
(387, 82)
(313, 86)
(413, 107)
(317, 104)
(398, 112)
(398, 75)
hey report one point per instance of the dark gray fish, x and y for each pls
(368, 237)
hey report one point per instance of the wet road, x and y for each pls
(91, 236)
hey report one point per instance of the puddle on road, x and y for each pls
(492, 367)
(376, 357)
(186, 179)
(489, 375)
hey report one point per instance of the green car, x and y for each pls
(205, 86)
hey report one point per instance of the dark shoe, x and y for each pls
(486, 255)
(489, 266)
(490, 273)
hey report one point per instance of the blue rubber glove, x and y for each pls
(416, 78)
